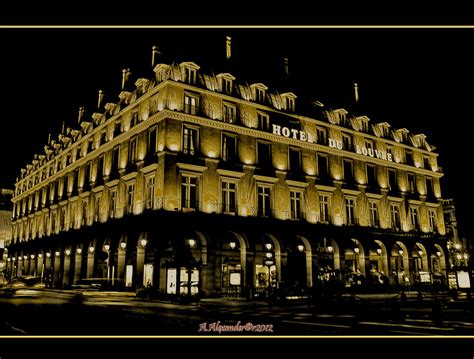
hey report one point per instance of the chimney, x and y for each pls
(356, 92)
(49, 139)
(101, 97)
(62, 130)
(228, 47)
(285, 64)
(81, 113)
(154, 54)
(124, 78)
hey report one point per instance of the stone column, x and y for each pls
(77, 265)
(66, 268)
(90, 264)
(140, 266)
(56, 268)
(122, 253)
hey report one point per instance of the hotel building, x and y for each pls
(195, 181)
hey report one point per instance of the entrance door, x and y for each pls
(129, 275)
(188, 278)
(148, 275)
(231, 279)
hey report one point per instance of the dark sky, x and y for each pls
(421, 79)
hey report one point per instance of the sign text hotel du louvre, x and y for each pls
(306, 137)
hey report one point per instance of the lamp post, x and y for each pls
(107, 250)
(269, 261)
(191, 243)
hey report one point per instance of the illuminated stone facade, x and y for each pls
(202, 182)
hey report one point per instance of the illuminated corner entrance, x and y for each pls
(188, 281)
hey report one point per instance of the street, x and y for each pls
(94, 313)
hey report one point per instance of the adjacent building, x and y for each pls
(195, 181)
(5, 223)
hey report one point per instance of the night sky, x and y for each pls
(421, 79)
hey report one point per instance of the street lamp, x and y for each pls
(143, 242)
(67, 252)
(232, 245)
(91, 249)
(300, 247)
(78, 250)
(123, 244)
(191, 242)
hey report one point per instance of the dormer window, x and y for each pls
(189, 72)
(365, 125)
(227, 86)
(259, 92)
(289, 101)
(259, 95)
(290, 104)
(190, 75)
(226, 82)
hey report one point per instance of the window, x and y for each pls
(346, 142)
(350, 211)
(259, 95)
(84, 213)
(374, 214)
(321, 135)
(432, 219)
(189, 75)
(117, 128)
(227, 86)
(411, 182)
(190, 140)
(150, 191)
(87, 174)
(229, 147)
(229, 113)
(414, 217)
(97, 207)
(263, 121)
(264, 207)
(152, 133)
(371, 176)
(115, 159)
(294, 156)
(189, 193)
(323, 165)
(103, 139)
(191, 104)
(228, 197)
(295, 203)
(324, 208)
(134, 118)
(132, 150)
(290, 104)
(130, 197)
(264, 155)
(369, 144)
(395, 216)
(113, 202)
(348, 168)
(408, 157)
(429, 187)
(365, 125)
(392, 179)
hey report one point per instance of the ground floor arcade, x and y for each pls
(181, 253)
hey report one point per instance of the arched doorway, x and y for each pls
(186, 256)
(399, 264)
(267, 264)
(233, 264)
(377, 265)
(299, 263)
